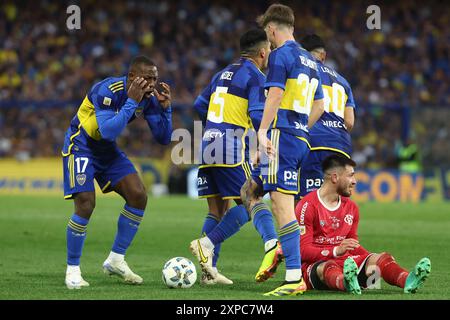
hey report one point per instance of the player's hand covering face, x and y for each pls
(163, 95)
(137, 89)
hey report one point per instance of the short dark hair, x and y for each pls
(336, 161)
(141, 60)
(312, 41)
(277, 13)
(251, 40)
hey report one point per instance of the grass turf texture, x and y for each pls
(33, 250)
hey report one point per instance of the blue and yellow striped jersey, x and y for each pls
(294, 70)
(329, 132)
(106, 97)
(232, 94)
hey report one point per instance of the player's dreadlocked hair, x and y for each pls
(251, 41)
(336, 161)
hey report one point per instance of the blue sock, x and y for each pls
(289, 236)
(210, 223)
(233, 220)
(76, 233)
(127, 226)
(263, 222)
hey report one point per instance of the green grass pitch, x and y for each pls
(33, 250)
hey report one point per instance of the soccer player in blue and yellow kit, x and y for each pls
(90, 152)
(294, 103)
(331, 134)
(230, 106)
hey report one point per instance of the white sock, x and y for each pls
(206, 242)
(71, 269)
(293, 274)
(269, 244)
(115, 257)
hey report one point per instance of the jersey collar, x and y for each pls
(326, 206)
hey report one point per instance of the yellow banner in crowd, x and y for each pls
(44, 176)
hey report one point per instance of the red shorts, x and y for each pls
(360, 255)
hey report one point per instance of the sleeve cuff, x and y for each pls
(334, 252)
(267, 85)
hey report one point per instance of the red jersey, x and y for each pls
(324, 228)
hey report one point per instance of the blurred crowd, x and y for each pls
(46, 69)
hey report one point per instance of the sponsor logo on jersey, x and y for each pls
(335, 222)
(213, 134)
(290, 178)
(333, 124)
(313, 183)
(201, 181)
(300, 126)
(302, 213)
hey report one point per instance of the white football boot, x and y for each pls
(74, 280)
(204, 256)
(120, 268)
(220, 279)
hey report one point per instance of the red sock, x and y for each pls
(391, 272)
(333, 276)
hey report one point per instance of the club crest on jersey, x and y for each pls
(138, 112)
(348, 219)
(322, 223)
(81, 178)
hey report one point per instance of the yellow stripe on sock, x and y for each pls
(131, 216)
(73, 226)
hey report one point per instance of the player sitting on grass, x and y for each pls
(332, 257)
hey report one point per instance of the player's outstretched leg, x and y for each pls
(263, 222)
(129, 221)
(351, 283)
(417, 276)
(203, 249)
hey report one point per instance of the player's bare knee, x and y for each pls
(137, 197)
(84, 204)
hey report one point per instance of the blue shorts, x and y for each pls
(80, 170)
(311, 175)
(281, 174)
(225, 182)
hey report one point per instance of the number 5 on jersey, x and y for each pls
(215, 113)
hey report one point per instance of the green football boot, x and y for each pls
(351, 283)
(417, 277)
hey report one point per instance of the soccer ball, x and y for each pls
(179, 272)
